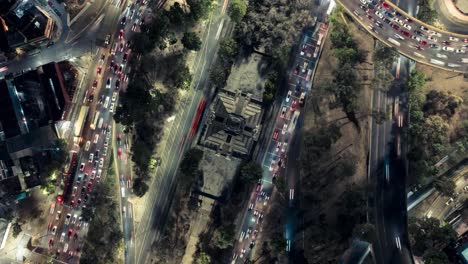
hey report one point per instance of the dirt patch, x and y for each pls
(453, 83)
(73, 7)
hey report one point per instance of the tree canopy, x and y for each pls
(251, 172)
(237, 10)
(428, 234)
(191, 41)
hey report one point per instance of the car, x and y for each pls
(82, 166)
(278, 146)
(363, 7)
(423, 28)
(386, 20)
(121, 47)
(405, 33)
(447, 48)
(106, 42)
(87, 145)
(116, 67)
(379, 24)
(125, 57)
(101, 162)
(54, 230)
(243, 250)
(423, 42)
(254, 234)
(95, 83)
(123, 21)
(117, 84)
(89, 185)
(121, 34)
(285, 147)
(418, 47)
(434, 46)
(251, 206)
(272, 165)
(108, 83)
(96, 138)
(419, 33)
(431, 38)
(454, 39)
(371, 18)
(301, 99)
(67, 219)
(114, 96)
(134, 27)
(293, 105)
(399, 21)
(99, 70)
(380, 15)
(283, 112)
(432, 32)
(91, 98)
(447, 43)
(399, 36)
(386, 6)
(91, 158)
(364, 2)
(62, 237)
(242, 235)
(101, 60)
(449, 201)
(119, 153)
(304, 67)
(275, 134)
(415, 37)
(288, 96)
(267, 198)
(390, 15)
(96, 154)
(120, 70)
(259, 186)
(111, 108)
(408, 27)
(395, 27)
(460, 51)
(70, 232)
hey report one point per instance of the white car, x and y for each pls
(242, 235)
(459, 51)
(408, 27)
(399, 37)
(447, 48)
(454, 39)
(288, 97)
(101, 162)
(75, 217)
(285, 128)
(423, 28)
(283, 112)
(104, 152)
(82, 167)
(54, 230)
(59, 213)
(65, 248)
(88, 144)
(285, 147)
(108, 83)
(96, 138)
(114, 96)
(272, 165)
(399, 21)
(106, 102)
(377, 13)
(62, 237)
(431, 38)
(278, 146)
(111, 108)
(91, 158)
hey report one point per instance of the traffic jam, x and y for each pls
(66, 226)
(277, 150)
(382, 16)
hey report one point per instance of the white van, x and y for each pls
(106, 102)
(100, 122)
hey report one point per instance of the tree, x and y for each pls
(224, 236)
(365, 232)
(191, 41)
(171, 38)
(426, 13)
(218, 75)
(203, 258)
(87, 213)
(140, 187)
(141, 154)
(228, 49)
(199, 8)
(183, 78)
(251, 172)
(385, 56)
(428, 233)
(277, 243)
(416, 81)
(445, 186)
(191, 161)
(379, 116)
(142, 43)
(176, 14)
(436, 257)
(16, 229)
(280, 184)
(237, 10)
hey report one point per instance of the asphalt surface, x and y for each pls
(388, 25)
(70, 230)
(159, 197)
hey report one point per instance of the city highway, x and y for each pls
(161, 189)
(412, 38)
(66, 228)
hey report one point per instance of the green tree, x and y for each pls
(191, 41)
(416, 81)
(16, 228)
(277, 243)
(224, 236)
(237, 10)
(385, 56)
(176, 14)
(433, 256)
(199, 8)
(87, 213)
(183, 78)
(171, 38)
(379, 116)
(203, 258)
(280, 184)
(365, 232)
(228, 50)
(218, 75)
(426, 13)
(251, 172)
(445, 186)
(142, 43)
(428, 233)
(140, 187)
(191, 161)
(141, 154)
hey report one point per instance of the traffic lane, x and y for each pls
(173, 157)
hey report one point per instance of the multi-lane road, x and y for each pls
(413, 38)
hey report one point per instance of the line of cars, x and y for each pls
(404, 27)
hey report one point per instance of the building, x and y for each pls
(25, 25)
(233, 123)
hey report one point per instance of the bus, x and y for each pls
(95, 120)
(68, 179)
(81, 120)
